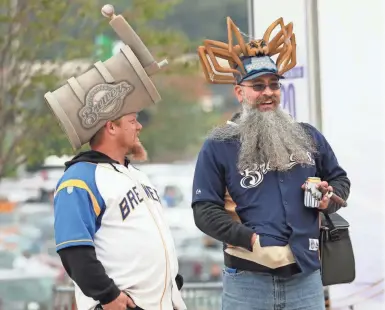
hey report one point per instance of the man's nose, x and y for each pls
(267, 91)
(139, 126)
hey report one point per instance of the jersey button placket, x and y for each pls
(286, 204)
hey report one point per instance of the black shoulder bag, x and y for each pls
(336, 250)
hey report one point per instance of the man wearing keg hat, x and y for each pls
(248, 189)
(110, 231)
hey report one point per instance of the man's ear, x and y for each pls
(239, 92)
(110, 127)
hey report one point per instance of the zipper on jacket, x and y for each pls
(146, 199)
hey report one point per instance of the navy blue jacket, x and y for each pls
(268, 203)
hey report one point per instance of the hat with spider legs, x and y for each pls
(248, 61)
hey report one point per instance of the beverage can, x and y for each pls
(312, 195)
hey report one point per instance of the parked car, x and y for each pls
(22, 291)
(200, 259)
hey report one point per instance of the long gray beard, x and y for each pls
(270, 138)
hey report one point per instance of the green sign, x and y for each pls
(104, 46)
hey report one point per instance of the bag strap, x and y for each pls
(329, 221)
(332, 230)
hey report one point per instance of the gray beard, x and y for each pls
(269, 138)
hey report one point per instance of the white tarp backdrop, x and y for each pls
(295, 86)
(351, 49)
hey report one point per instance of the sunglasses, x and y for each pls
(261, 87)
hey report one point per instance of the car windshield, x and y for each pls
(6, 259)
(7, 218)
(31, 289)
(34, 219)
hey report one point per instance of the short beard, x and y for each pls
(269, 138)
(138, 153)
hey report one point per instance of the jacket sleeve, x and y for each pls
(88, 273)
(76, 220)
(208, 201)
(214, 221)
(330, 171)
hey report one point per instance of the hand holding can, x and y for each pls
(318, 194)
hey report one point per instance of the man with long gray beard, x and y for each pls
(248, 192)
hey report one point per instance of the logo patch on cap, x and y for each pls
(260, 63)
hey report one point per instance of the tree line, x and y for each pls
(37, 31)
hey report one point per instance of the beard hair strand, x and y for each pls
(138, 153)
(271, 138)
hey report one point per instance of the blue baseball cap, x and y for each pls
(256, 66)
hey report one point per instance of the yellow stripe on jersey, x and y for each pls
(81, 184)
(75, 241)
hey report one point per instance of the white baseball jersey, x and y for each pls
(116, 209)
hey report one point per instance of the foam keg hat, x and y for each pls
(110, 89)
(234, 62)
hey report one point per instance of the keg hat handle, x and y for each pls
(129, 37)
